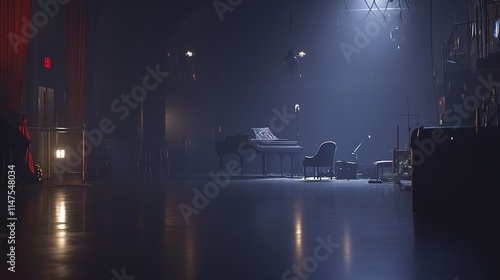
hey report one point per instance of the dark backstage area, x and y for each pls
(238, 139)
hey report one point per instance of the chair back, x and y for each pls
(325, 154)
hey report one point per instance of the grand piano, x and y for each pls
(262, 142)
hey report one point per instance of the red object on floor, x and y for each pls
(23, 127)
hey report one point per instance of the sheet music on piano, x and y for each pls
(264, 133)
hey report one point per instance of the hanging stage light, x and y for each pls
(397, 36)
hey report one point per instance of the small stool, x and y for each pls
(380, 165)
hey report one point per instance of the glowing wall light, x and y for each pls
(60, 153)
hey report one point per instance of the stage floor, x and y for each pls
(252, 228)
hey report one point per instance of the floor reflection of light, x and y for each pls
(347, 249)
(298, 232)
(298, 229)
(61, 239)
(61, 222)
(170, 215)
(172, 228)
(190, 254)
(58, 232)
(61, 212)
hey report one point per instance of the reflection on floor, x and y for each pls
(253, 228)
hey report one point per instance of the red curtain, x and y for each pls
(23, 127)
(14, 16)
(75, 46)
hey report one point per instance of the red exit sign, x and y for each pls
(47, 62)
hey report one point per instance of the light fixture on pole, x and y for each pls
(355, 152)
(297, 110)
(408, 115)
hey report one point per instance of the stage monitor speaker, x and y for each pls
(346, 170)
(456, 171)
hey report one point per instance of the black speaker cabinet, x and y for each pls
(456, 170)
(346, 170)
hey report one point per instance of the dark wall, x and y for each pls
(240, 82)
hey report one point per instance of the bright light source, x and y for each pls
(496, 29)
(60, 154)
(189, 53)
(397, 36)
(47, 62)
(302, 54)
(441, 101)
